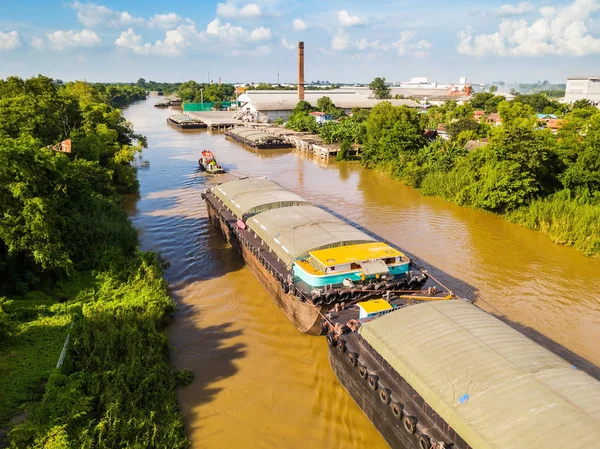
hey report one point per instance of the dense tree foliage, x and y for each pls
(64, 233)
(194, 92)
(523, 170)
(380, 88)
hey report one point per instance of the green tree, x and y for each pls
(391, 132)
(380, 88)
(302, 106)
(493, 88)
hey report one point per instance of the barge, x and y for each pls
(306, 258)
(182, 121)
(257, 139)
(446, 374)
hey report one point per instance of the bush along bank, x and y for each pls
(70, 263)
(536, 177)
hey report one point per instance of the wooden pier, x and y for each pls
(216, 120)
(305, 142)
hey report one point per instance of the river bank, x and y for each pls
(257, 381)
(71, 267)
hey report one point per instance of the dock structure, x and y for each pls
(255, 138)
(305, 142)
(171, 100)
(216, 120)
(182, 121)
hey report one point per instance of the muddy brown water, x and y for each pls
(258, 383)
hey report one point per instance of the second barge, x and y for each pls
(182, 121)
(257, 139)
(446, 374)
(305, 257)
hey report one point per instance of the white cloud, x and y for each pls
(300, 24)
(286, 44)
(262, 50)
(346, 20)
(217, 35)
(129, 39)
(229, 10)
(9, 41)
(92, 15)
(61, 40)
(260, 34)
(406, 46)
(340, 41)
(37, 43)
(167, 21)
(558, 31)
(518, 10)
(225, 32)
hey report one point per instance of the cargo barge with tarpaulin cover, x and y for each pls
(446, 374)
(182, 121)
(256, 139)
(306, 258)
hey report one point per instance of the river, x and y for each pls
(260, 383)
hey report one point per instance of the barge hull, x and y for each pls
(304, 316)
(380, 415)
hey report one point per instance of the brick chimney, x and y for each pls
(300, 71)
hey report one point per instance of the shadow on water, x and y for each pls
(207, 352)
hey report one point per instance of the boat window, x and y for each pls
(354, 266)
(389, 260)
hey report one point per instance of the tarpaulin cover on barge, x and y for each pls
(247, 197)
(495, 387)
(293, 232)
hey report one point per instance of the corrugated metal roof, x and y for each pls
(253, 135)
(292, 232)
(246, 197)
(494, 386)
(287, 100)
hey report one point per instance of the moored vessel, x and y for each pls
(305, 257)
(209, 164)
(446, 374)
(256, 139)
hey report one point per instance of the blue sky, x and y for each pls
(347, 41)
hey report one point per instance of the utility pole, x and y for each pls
(201, 96)
(278, 83)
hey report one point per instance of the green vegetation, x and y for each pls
(69, 263)
(194, 92)
(380, 88)
(545, 181)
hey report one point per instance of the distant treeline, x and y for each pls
(70, 263)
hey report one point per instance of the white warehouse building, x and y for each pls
(583, 87)
(268, 105)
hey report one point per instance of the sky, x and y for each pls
(255, 40)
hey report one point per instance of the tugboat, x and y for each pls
(305, 257)
(208, 163)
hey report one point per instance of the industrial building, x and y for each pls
(268, 105)
(583, 87)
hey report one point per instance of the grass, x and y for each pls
(117, 386)
(564, 220)
(30, 352)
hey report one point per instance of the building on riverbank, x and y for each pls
(583, 88)
(268, 105)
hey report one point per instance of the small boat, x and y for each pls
(209, 164)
